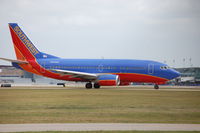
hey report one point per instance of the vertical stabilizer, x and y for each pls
(24, 48)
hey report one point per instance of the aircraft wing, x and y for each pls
(75, 74)
(15, 61)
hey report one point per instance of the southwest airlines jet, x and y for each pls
(95, 72)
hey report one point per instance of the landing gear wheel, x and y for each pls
(88, 85)
(96, 85)
(63, 84)
(156, 87)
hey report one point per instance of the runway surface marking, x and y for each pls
(99, 127)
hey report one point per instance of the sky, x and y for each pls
(162, 30)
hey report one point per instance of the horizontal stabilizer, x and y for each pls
(15, 61)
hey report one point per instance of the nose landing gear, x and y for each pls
(156, 87)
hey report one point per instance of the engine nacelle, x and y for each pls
(108, 80)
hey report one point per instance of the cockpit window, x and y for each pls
(164, 67)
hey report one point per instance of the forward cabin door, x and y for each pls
(151, 68)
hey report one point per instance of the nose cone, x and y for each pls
(174, 74)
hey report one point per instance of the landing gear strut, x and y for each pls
(88, 85)
(156, 86)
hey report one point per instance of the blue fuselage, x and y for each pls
(144, 67)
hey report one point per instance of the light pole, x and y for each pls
(183, 62)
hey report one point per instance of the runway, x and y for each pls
(99, 127)
(131, 88)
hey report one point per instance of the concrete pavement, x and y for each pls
(98, 127)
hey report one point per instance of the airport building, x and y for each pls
(189, 76)
(10, 74)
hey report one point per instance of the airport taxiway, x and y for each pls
(133, 88)
(80, 85)
(99, 127)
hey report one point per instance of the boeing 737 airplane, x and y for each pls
(95, 72)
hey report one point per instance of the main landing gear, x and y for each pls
(156, 87)
(63, 84)
(89, 85)
(96, 85)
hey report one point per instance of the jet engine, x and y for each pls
(108, 80)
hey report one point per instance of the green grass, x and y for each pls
(98, 106)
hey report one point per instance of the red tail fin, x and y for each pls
(24, 48)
